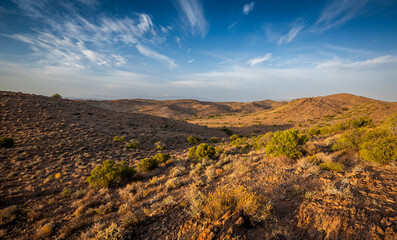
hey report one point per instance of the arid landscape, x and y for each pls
(310, 168)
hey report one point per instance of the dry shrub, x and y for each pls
(235, 198)
(44, 231)
(113, 232)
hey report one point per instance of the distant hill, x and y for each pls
(306, 112)
(184, 108)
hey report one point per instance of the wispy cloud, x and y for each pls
(293, 32)
(69, 39)
(191, 60)
(378, 62)
(192, 14)
(248, 7)
(155, 55)
(337, 13)
(259, 60)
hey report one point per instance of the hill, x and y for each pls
(182, 109)
(305, 112)
(283, 185)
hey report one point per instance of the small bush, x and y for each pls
(147, 164)
(234, 199)
(113, 232)
(159, 145)
(375, 145)
(110, 174)
(173, 183)
(193, 139)
(331, 166)
(118, 139)
(56, 95)
(201, 151)
(244, 144)
(161, 158)
(214, 139)
(286, 143)
(134, 144)
(6, 142)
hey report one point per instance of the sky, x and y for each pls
(202, 49)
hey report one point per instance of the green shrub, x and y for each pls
(391, 125)
(134, 144)
(201, 151)
(6, 142)
(244, 144)
(147, 164)
(118, 139)
(110, 174)
(159, 145)
(193, 139)
(161, 158)
(331, 166)
(214, 140)
(375, 145)
(261, 141)
(56, 95)
(286, 143)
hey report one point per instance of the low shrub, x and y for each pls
(193, 139)
(214, 139)
(331, 166)
(134, 144)
(201, 151)
(375, 145)
(118, 139)
(159, 145)
(6, 142)
(244, 144)
(147, 164)
(260, 142)
(286, 143)
(56, 95)
(230, 198)
(110, 174)
(161, 158)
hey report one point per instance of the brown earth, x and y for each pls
(44, 193)
(183, 109)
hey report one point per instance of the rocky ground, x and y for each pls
(44, 193)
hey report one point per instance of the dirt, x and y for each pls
(44, 193)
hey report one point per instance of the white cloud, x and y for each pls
(69, 39)
(382, 61)
(179, 42)
(248, 7)
(293, 32)
(155, 55)
(259, 60)
(191, 60)
(337, 13)
(192, 14)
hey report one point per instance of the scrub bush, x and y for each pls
(110, 174)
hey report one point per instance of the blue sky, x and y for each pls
(207, 50)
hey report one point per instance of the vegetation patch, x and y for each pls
(331, 166)
(227, 198)
(193, 139)
(110, 174)
(201, 151)
(286, 143)
(147, 164)
(376, 145)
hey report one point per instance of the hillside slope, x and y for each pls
(184, 108)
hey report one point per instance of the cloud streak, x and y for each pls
(337, 13)
(73, 41)
(259, 60)
(155, 55)
(192, 15)
(293, 32)
(248, 7)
